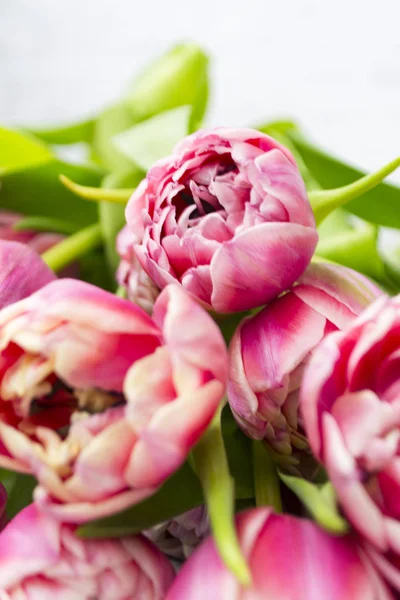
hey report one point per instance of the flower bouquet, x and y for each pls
(199, 358)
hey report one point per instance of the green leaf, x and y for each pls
(323, 202)
(355, 248)
(72, 133)
(319, 501)
(112, 216)
(113, 120)
(380, 205)
(38, 191)
(150, 140)
(19, 489)
(19, 151)
(165, 504)
(178, 78)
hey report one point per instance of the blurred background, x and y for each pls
(334, 66)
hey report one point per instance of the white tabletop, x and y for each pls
(334, 66)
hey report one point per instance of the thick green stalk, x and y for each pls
(323, 202)
(73, 247)
(218, 487)
(266, 480)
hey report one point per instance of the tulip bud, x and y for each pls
(180, 536)
(43, 558)
(227, 216)
(289, 558)
(269, 351)
(351, 411)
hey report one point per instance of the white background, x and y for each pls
(335, 66)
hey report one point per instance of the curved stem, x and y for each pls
(324, 202)
(120, 196)
(266, 480)
(73, 247)
(218, 487)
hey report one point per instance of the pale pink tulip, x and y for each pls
(43, 559)
(350, 401)
(227, 216)
(178, 537)
(269, 351)
(289, 559)
(22, 272)
(130, 274)
(99, 401)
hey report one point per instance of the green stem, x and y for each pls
(324, 202)
(218, 487)
(95, 194)
(73, 247)
(266, 480)
(121, 292)
(45, 224)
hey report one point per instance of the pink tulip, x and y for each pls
(227, 216)
(130, 274)
(269, 351)
(42, 559)
(350, 400)
(180, 536)
(36, 240)
(99, 401)
(22, 272)
(289, 559)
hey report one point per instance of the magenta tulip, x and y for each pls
(22, 272)
(227, 216)
(42, 559)
(350, 401)
(289, 558)
(130, 274)
(269, 351)
(99, 401)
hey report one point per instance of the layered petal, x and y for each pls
(22, 272)
(275, 546)
(42, 558)
(99, 401)
(270, 350)
(351, 410)
(227, 216)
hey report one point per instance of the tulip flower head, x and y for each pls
(270, 350)
(99, 401)
(289, 558)
(350, 401)
(43, 559)
(227, 216)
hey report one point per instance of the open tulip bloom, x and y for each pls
(99, 401)
(234, 405)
